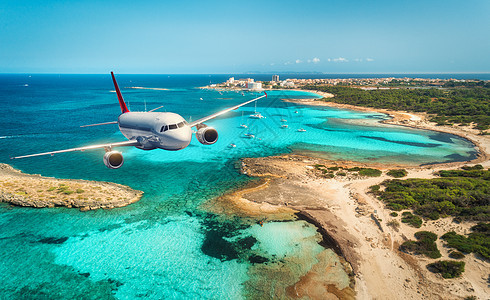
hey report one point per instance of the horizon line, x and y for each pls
(250, 73)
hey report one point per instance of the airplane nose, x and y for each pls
(182, 138)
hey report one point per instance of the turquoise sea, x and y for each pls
(166, 246)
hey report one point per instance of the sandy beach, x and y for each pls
(343, 210)
(22, 189)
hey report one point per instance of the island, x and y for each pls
(29, 190)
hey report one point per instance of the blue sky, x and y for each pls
(187, 36)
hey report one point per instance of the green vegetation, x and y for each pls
(447, 268)
(412, 220)
(341, 174)
(366, 171)
(394, 214)
(397, 173)
(51, 189)
(370, 172)
(79, 191)
(460, 193)
(374, 188)
(425, 245)
(477, 242)
(462, 105)
(64, 189)
(456, 255)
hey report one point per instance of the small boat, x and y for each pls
(242, 125)
(284, 120)
(284, 126)
(296, 112)
(232, 145)
(301, 130)
(257, 116)
(200, 98)
(249, 135)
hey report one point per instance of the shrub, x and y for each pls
(475, 167)
(447, 268)
(374, 188)
(51, 189)
(79, 191)
(478, 241)
(394, 224)
(370, 172)
(456, 255)
(465, 197)
(397, 173)
(425, 245)
(341, 174)
(412, 220)
(333, 168)
(394, 214)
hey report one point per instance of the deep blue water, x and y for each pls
(165, 245)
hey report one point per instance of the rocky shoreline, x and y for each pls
(28, 190)
(348, 217)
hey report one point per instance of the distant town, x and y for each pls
(362, 83)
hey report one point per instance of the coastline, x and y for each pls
(346, 213)
(31, 190)
(412, 120)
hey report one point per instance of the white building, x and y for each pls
(254, 85)
(287, 83)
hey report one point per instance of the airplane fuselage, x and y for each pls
(153, 130)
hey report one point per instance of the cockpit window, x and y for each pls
(181, 124)
(164, 128)
(173, 126)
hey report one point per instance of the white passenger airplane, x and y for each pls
(151, 130)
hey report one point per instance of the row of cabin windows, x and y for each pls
(173, 126)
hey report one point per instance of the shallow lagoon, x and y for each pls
(164, 246)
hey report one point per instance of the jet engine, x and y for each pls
(207, 135)
(113, 159)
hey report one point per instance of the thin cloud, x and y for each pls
(316, 60)
(369, 59)
(298, 61)
(340, 59)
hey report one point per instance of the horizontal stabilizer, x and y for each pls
(98, 124)
(156, 108)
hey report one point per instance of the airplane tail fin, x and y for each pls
(124, 108)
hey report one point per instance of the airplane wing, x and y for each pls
(197, 122)
(119, 144)
(98, 124)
